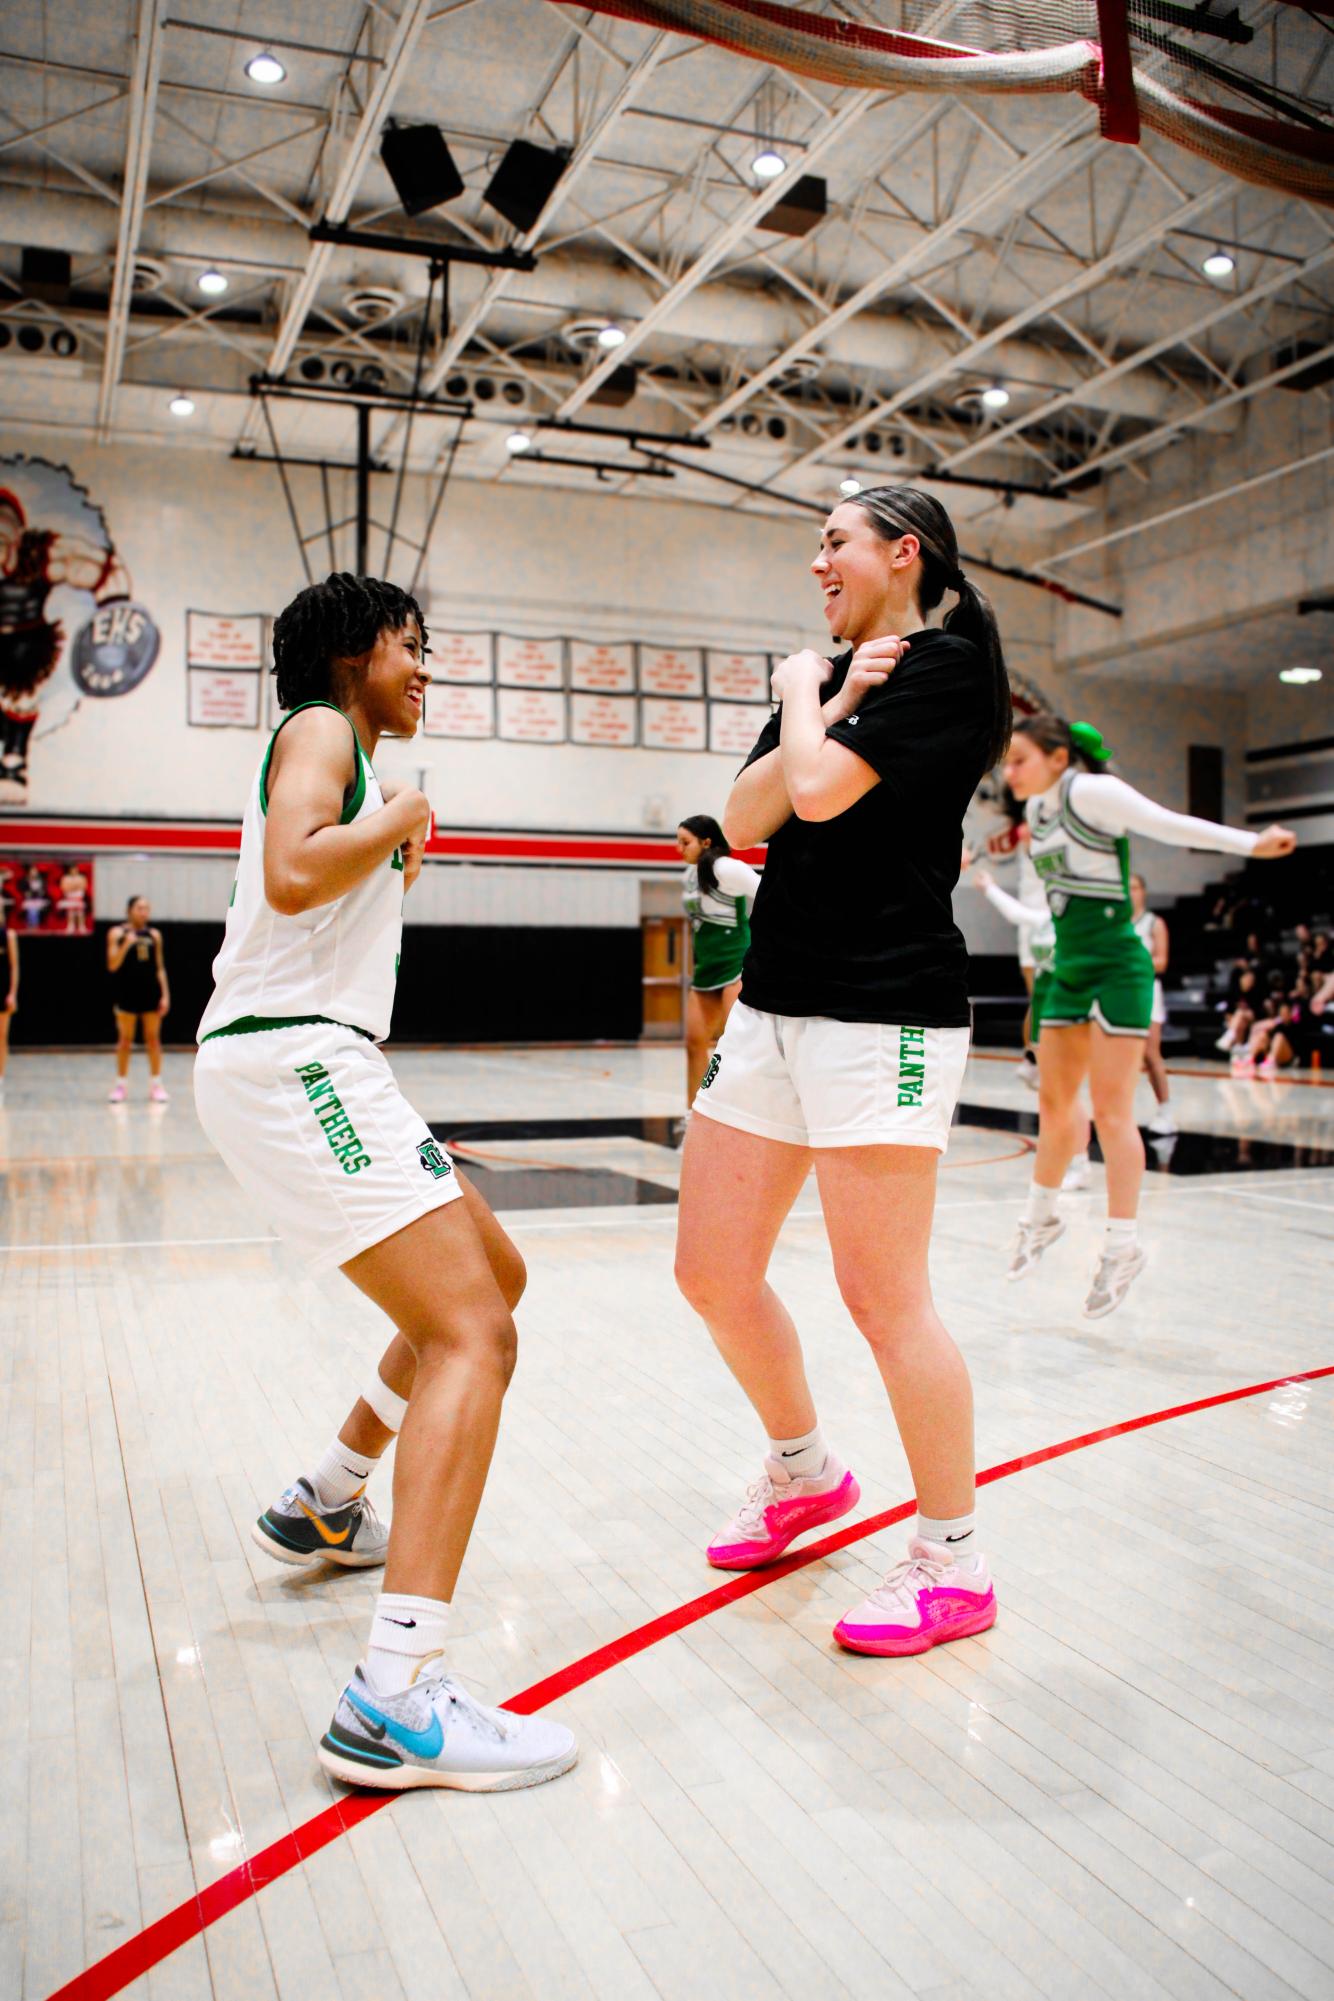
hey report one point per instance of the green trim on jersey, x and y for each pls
(256, 1024)
(354, 804)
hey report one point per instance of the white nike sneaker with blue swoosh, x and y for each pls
(436, 1734)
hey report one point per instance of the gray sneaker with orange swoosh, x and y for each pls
(296, 1529)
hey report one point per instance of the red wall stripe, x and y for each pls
(576, 850)
(159, 1940)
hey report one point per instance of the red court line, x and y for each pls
(159, 1940)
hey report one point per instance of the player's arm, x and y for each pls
(823, 778)
(413, 850)
(310, 859)
(1116, 808)
(161, 972)
(12, 999)
(118, 944)
(1160, 948)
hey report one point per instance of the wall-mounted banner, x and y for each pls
(459, 711)
(669, 670)
(42, 897)
(68, 624)
(462, 656)
(603, 719)
(217, 699)
(733, 727)
(738, 677)
(529, 663)
(608, 670)
(213, 639)
(530, 715)
(668, 725)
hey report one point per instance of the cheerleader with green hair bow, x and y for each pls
(1097, 1004)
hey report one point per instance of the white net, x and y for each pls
(1230, 112)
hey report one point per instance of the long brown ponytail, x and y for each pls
(905, 510)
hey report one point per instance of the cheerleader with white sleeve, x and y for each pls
(1098, 1004)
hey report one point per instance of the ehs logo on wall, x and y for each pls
(69, 626)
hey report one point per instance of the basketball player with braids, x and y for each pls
(847, 1048)
(296, 1095)
(1097, 1003)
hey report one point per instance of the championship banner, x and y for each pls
(47, 898)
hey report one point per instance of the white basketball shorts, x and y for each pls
(811, 1081)
(313, 1126)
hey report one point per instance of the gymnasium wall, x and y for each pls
(199, 532)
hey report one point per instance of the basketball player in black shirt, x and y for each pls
(848, 1045)
(139, 995)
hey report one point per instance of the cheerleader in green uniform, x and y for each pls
(1096, 1008)
(718, 892)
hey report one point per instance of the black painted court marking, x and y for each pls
(533, 1186)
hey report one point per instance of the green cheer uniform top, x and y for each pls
(1078, 839)
(719, 921)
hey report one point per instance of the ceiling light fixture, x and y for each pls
(213, 283)
(612, 336)
(182, 405)
(847, 487)
(1300, 676)
(996, 397)
(517, 443)
(265, 68)
(1218, 264)
(768, 165)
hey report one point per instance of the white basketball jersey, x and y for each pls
(337, 963)
(1144, 924)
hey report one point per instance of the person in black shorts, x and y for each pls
(139, 995)
(847, 1047)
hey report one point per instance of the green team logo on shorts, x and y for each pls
(715, 1064)
(433, 1159)
(912, 1066)
(327, 1106)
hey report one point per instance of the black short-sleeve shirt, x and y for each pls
(853, 917)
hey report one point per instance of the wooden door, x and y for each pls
(664, 978)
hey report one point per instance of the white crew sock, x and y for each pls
(1122, 1236)
(1078, 1164)
(404, 1632)
(804, 1457)
(339, 1475)
(954, 1539)
(1041, 1203)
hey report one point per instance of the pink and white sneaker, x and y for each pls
(924, 1601)
(116, 1095)
(777, 1508)
(158, 1094)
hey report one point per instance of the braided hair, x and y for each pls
(714, 845)
(905, 510)
(340, 619)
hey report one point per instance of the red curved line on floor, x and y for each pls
(159, 1940)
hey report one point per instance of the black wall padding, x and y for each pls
(456, 984)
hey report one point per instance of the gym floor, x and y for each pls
(1125, 1788)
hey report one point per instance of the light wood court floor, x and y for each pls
(1126, 1789)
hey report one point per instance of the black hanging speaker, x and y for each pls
(46, 274)
(798, 211)
(420, 166)
(522, 183)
